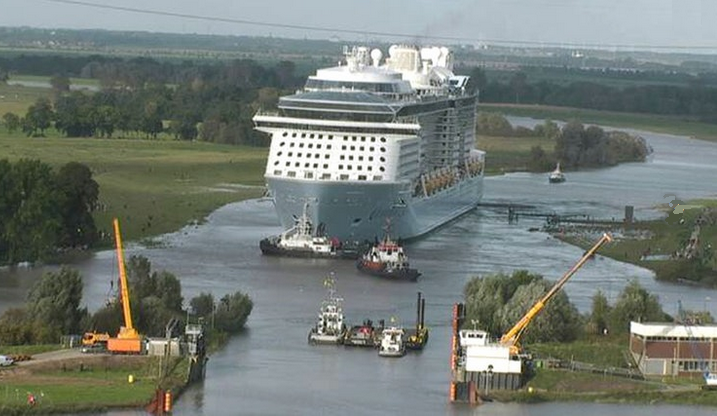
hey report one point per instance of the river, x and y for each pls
(270, 369)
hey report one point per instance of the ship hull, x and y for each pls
(358, 211)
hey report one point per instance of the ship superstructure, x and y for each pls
(373, 140)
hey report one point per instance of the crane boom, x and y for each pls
(128, 330)
(512, 337)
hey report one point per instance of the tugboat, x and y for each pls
(392, 342)
(387, 259)
(556, 176)
(330, 327)
(302, 240)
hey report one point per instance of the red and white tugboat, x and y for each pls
(387, 259)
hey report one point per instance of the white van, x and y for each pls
(5, 361)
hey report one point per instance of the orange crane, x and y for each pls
(128, 341)
(512, 337)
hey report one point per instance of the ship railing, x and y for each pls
(267, 113)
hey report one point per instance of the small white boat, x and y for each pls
(556, 176)
(393, 343)
(330, 327)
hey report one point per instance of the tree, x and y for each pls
(38, 117)
(60, 84)
(600, 314)
(202, 305)
(635, 304)
(80, 193)
(232, 312)
(16, 327)
(11, 122)
(54, 305)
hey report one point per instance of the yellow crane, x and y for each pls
(128, 341)
(512, 337)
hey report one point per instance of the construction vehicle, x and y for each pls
(418, 338)
(512, 337)
(94, 338)
(477, 362)
(128, 341)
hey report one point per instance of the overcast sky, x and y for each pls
(680, 23)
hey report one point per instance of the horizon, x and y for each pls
(644, 25)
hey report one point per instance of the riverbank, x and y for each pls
(676, 125)
(679, 248)
(86, 383)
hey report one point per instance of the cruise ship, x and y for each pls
(374, 141)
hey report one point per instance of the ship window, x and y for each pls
(346, 138)
(383, 140)
(342, 157)
(291, 154)
(362, 177)
(360, 158)
(326, 165)
(306, 165)
(373, 139)
(277, 172)
(382, 169)
(370, 168)
(348, 167)
(311, 145)
(378, 177)
(291, 144)
(343, 147)
(363, 138)
(344, 177)
(291, 174)
(326, 176)
(301, 144)
(303, 135)
(318, 146)
(297, 164)
(311, 136)
(353, 147)
(353, 138)
(287, 164)
(371, 149)
(331, 136)
(341, 167)
(298, 155)
(383, 149)
(293, 134)
(316, 165)
(370, 158)
(281, 144)
(351, 157)
(276, 163)
(382, 159)
(359, 167)
(328, 147)
(284, 134)
(278, 153)
(309, 175)
(326, 156)
(317, 155)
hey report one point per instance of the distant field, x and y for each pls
(154, 187)
(43, 79)
(660, 124)
(16, 99)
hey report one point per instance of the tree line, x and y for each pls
(697, 99)
(54, 308)
(43, 211)
(495, 303)
(144, 97)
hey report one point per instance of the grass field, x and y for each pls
(508, 154)
(16, 98)
(92, 384)
(661, 124)
(154, 187)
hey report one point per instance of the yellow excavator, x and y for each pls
(512, 337)
(127, 341)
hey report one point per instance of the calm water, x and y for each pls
(270, 369)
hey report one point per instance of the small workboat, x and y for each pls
(392, 342)
(330, 327)
(556, 176)
(387, 259)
